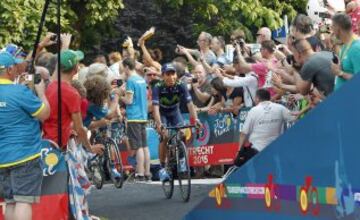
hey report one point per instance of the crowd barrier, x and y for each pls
(217, 143)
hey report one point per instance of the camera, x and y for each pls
(324, 15)
(36, 77)
(239, 41)
(53, 38)
(118, 82)
(195, 80)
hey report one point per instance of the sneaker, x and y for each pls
(183, 167)
(163, 175)
(139, 178)
(132, 161)
(115, 173)
(148, 178)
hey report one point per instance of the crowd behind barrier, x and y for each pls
(217, 83)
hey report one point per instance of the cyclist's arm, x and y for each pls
(156, 114)
(98, 124)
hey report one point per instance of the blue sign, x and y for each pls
(310, 172)
(279, 33)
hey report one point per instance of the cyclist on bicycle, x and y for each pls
(166, 98)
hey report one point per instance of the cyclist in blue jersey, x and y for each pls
(166, 98)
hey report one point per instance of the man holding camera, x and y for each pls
(20, 146)
(201, 88)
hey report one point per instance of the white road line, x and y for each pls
(193, 182)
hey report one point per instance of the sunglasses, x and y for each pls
(151, 74)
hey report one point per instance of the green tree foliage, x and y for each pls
(226, 15)
(19, 19)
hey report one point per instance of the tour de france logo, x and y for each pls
(50, 159)
(203, 136)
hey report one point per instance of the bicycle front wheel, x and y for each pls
(114, 164)
(183, 171)
(168, 185)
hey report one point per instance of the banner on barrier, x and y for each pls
(217, 143)
(54, 187)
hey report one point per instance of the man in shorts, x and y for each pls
(136, 111)
(20, 145)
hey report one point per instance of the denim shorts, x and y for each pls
(22, 182)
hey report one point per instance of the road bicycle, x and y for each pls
(177, 165)
(104, 167)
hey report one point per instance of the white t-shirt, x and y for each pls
(249, 84)
(265, 122)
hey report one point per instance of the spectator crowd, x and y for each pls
(280, 82)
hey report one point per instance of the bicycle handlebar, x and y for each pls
(180, 127)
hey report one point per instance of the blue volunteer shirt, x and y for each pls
(138, 109)
(20, 132)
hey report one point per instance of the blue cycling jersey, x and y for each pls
(169, 98)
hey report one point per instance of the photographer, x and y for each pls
(20, 146)
(201, 88)
(264, 68)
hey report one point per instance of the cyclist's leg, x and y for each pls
(162, 145)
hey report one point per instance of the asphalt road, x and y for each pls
(137, 201)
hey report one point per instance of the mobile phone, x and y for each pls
(37, 78)
(335, 59)
(118, 82)
(195, 80)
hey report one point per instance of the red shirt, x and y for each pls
(71, 102)
(84, 106)
(355, 19)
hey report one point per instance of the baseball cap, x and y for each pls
(168, 68)
(69, 58)
(8, 60)
(14, 50)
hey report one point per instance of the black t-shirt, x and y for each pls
(317, 69)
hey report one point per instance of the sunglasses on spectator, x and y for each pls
(151, 74)
(258, 34)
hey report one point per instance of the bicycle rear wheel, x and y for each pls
(114, 161)
(183, 171)
(97, 174)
